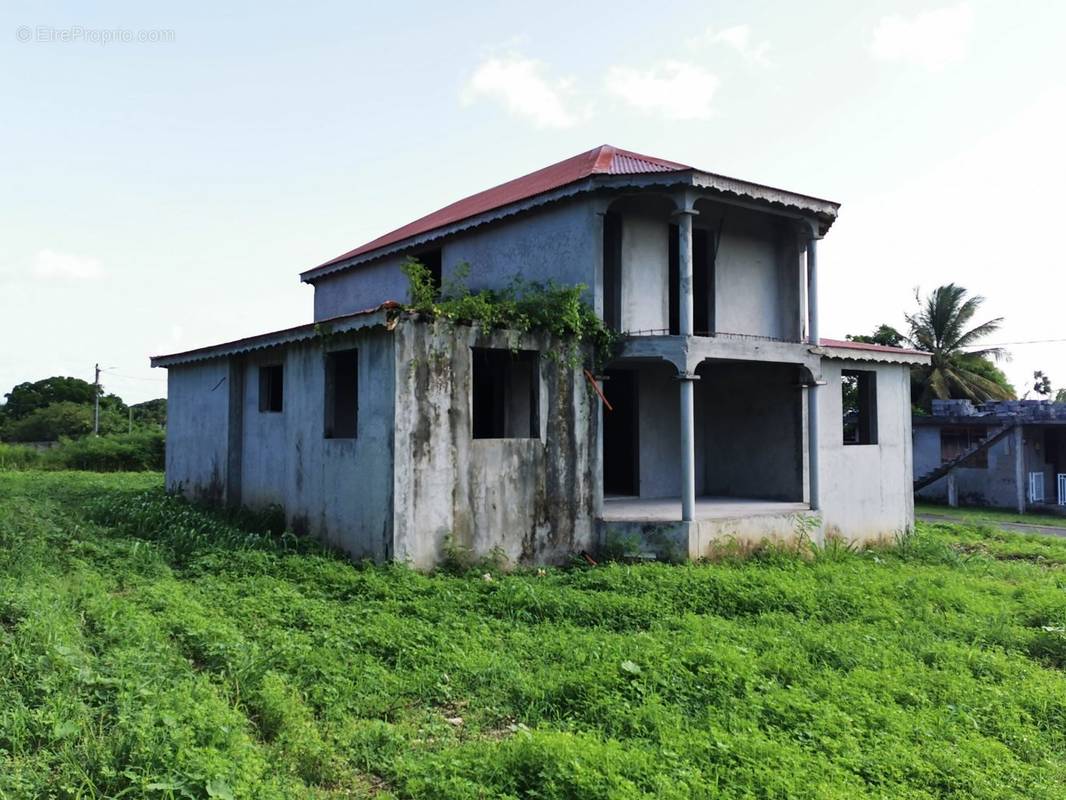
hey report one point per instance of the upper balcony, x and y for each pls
(747, 270)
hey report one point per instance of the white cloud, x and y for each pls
(48, 264)
(520, 85)
(675, 89)
(933, 39)
(739, 38)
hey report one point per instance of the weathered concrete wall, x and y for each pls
(866, 490)
(198, 425)
(677, 541)
(533, 500)
(337, 489)
(645, 269)
(753, 441)
(560, 242)
(366, 286)
(757, 285)
(659, 432)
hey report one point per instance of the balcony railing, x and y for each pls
(743, 337)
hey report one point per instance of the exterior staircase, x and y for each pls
(938, 473)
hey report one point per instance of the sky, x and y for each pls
(168, 170)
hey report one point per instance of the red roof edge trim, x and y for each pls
(881, 348)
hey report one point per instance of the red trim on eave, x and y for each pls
(882, 348)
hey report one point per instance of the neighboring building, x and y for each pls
(1009, 454)
(386, 434)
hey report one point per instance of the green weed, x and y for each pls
(152, 649)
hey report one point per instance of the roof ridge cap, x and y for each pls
(605, 154)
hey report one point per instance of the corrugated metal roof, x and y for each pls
(875, 352)
(869, 346)
(603, 160)
(345, 322)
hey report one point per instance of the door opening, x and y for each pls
(621, 452)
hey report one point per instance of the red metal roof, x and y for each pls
(883, 348)
(603, 160)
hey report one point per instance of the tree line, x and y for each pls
(63, 407)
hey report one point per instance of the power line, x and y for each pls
(1015, 344)
(130, 377)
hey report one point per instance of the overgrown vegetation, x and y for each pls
(150, 649)
(521, 307)
(135, 452)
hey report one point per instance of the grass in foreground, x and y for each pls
(990, 516)
(148, 649)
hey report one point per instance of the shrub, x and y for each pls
(16, 456)
(522, 307)
(133, 452)
(52, 422)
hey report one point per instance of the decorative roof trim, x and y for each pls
(861, 351)
(368, 318)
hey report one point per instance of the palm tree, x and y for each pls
(940, 327)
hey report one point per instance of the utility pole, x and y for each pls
(131, 419)
(96, 403)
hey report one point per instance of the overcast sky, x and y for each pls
(163, 195)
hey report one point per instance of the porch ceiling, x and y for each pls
(687, 353)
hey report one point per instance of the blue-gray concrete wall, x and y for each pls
(866, 490)
(198, 429)
(221, 447)
(366, 286)
(562, 242)
(338, 489)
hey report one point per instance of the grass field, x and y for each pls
(151, 650)
(990, 516)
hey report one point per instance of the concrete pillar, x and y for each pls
(812, 447)
(688, 447)
(812, 287)
(813, 451)
(953, 491)
(684, 271)
(1019, 467)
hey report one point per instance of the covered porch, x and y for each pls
(749, 466)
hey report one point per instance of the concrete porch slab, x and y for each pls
(668, 509)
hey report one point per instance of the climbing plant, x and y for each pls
(522, 307)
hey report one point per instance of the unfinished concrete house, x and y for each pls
(1006, 454)
(386, 434)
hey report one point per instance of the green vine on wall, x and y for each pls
(521, 307)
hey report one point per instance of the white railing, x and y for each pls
(1036, 487)
(1062, 490)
